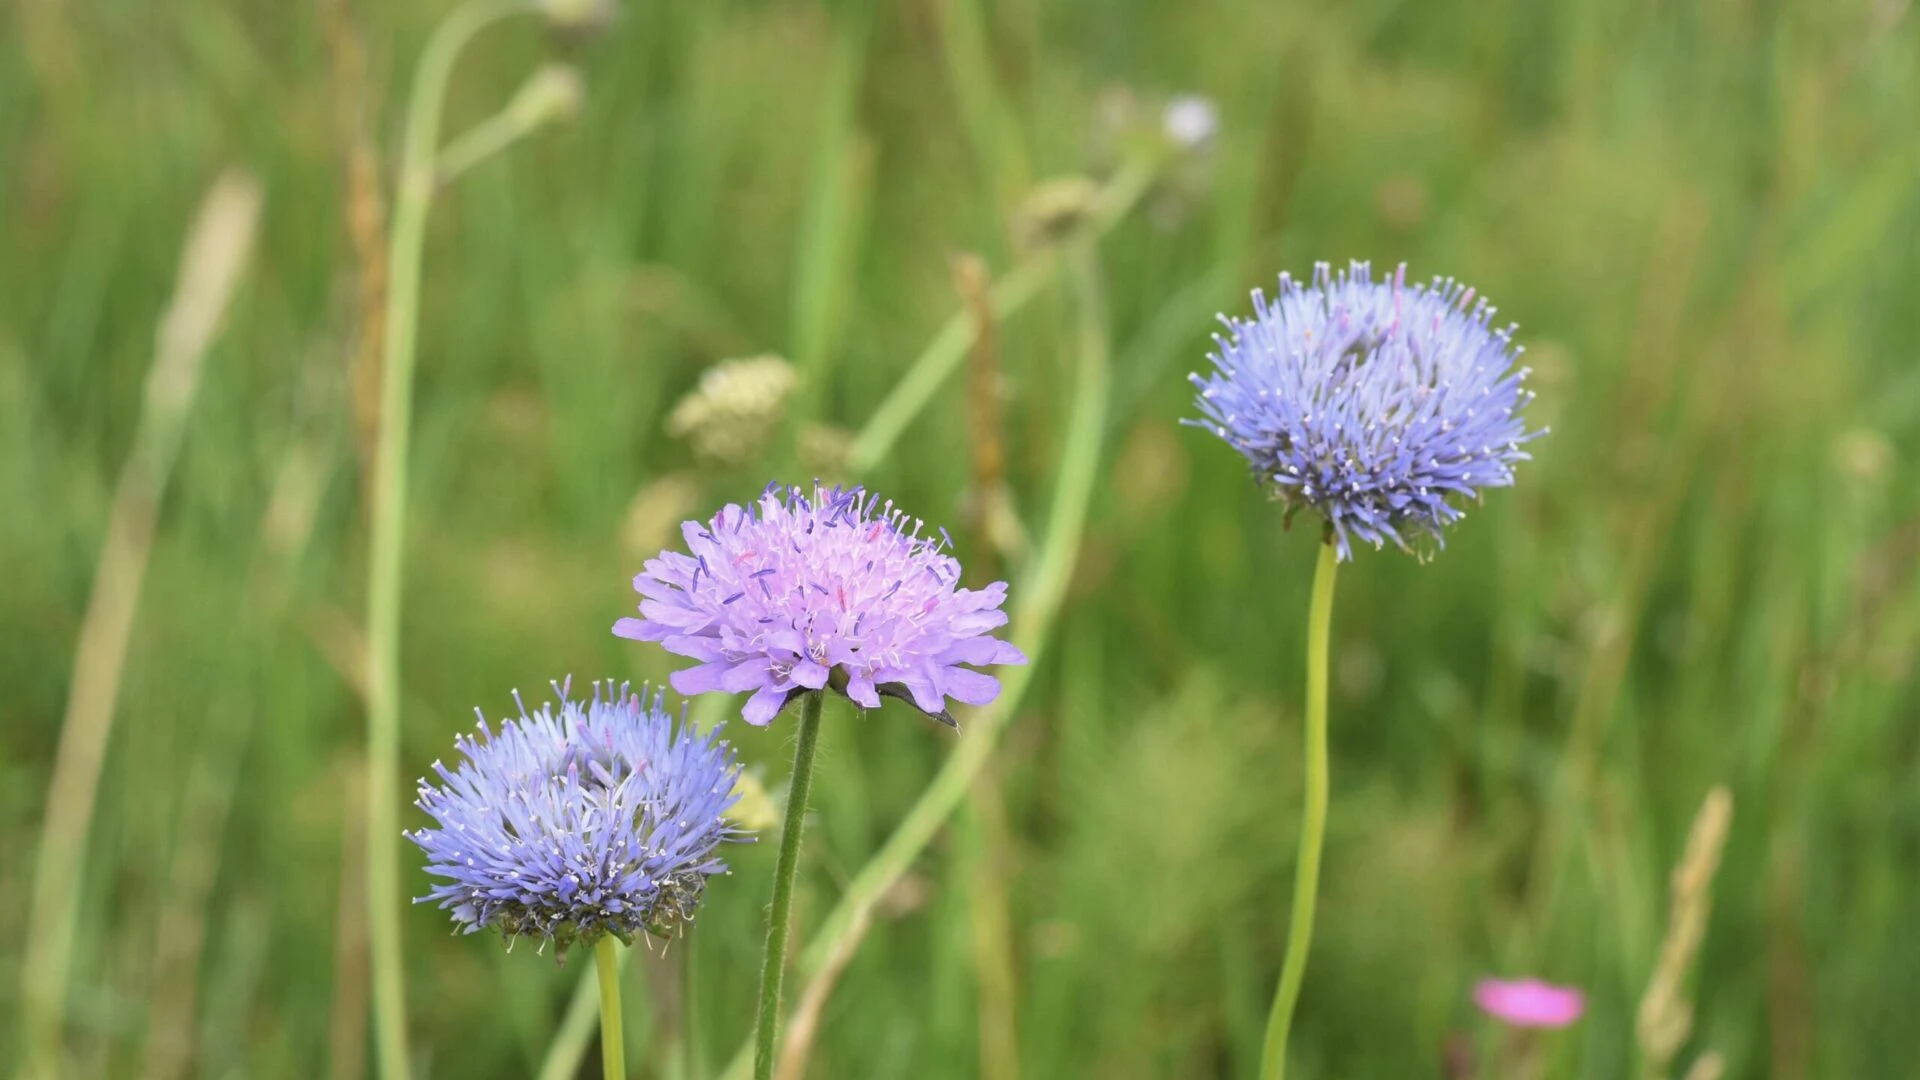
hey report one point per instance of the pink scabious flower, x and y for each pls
(833, 589)
(1529, 1003)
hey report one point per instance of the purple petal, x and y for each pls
(639, 630)
(982, 651)
(746, 675)
(694, 646)
(926, 696)
(977, 622)
(970, 687)
(704, 679)
(809, 674)
(860, 688)
(763, 706)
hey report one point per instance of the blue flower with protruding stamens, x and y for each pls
(833, 588)
(605, 818)
(1374, 404)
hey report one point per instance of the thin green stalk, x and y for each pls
(1039, 598)
(774, 963)
(414, 199)
(569, 1043)
(948, 349)
(1313, 821)
(693, 1056)
(613, 1041)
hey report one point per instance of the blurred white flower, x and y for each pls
(1191, 121)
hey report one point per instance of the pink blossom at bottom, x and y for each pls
(1529, 1002)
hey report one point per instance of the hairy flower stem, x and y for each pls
(773, 965)
(1313, 821)
(613, 1042)
(414, 199)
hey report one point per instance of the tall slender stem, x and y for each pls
(413, 200)
(773, 965)
(613, 1040)
(1313, 820)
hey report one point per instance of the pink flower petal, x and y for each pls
(1529, 1002)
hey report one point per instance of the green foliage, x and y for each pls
(1705, 218)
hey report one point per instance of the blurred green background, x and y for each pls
(1704, 216)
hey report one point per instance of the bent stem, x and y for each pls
(949, 348)
(613, 1043)
(414, 199)
(1313, 821)
(773, 964)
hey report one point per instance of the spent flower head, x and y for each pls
(578, 18)
(1055, 211)
(832, 588)
(1373, 403)
(602, 818)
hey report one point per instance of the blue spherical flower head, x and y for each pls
(1372, 403)
(828, 589)
(603, 818)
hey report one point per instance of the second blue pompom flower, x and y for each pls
(1371, 403)
(603, 819)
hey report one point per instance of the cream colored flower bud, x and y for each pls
(731, 414)
(552, 94)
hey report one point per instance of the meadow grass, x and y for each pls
(1706, 218)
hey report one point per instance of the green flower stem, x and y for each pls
(1039, 598)
(613, 1041)
(414, 199)
(569, 1045)
(945, 353)
(773, 966)
(693, 1058)
(1313, 821)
